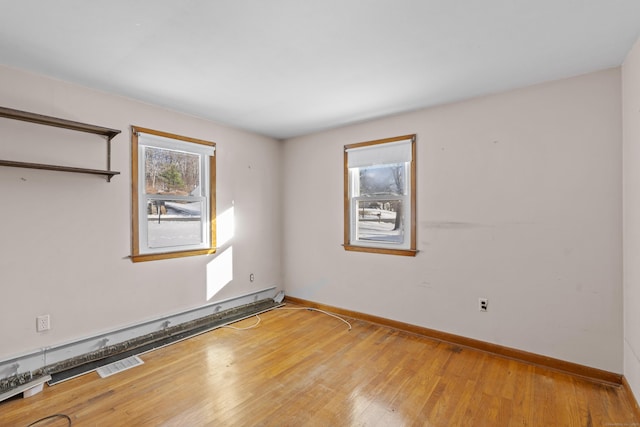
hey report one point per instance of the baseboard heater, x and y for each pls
(79, 365)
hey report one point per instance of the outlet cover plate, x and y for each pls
(43, 323)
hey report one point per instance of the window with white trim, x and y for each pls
(380, 196)
(173, 197)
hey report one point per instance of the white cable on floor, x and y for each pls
(248, 327)
(316, 309)
(291, 308)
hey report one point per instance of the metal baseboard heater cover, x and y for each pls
(34, 384)
(80, 365)
(74, 366)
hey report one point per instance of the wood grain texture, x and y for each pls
(511, 353)
(634, 401)
(303, 368)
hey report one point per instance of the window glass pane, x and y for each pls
(171, 172)
(380, 221)
(380, 196)
(174, 223)
(173, 195)
(382, 180)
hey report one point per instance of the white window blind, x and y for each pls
(175, 144)
(380, 154)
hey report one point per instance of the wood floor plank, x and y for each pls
(524, 410)
(304, 368)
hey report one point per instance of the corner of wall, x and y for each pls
(631, 212)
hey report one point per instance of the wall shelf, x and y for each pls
(25, 116)
(107, 173)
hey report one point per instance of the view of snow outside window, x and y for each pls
(379, 202)
(174, 199)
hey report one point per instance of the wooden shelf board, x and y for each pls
(42, 166)
(25, 116)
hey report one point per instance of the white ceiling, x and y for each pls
(290, 67)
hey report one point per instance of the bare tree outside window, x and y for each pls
(171, 172)
(172, 221)
(380, 219)
(380, 196)
(173, 201)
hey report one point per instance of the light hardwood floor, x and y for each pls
(304, 368)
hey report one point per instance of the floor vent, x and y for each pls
(119, 366)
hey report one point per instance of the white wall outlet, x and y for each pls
(252, 277)
(483, 304)
(43, 323)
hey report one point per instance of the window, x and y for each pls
(173, 197)
(379, 194)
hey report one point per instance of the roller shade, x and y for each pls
(175, 144)
(379, 154)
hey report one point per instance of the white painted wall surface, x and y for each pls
(631, 159)
(519, 201)
(65, 238)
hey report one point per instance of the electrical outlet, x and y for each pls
(43, 323)
(483, 304)
(252, 277)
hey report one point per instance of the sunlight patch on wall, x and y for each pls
(219, 272)
(225, 224)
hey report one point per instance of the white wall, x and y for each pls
(519, 201)
(631, 151)
(65, 238)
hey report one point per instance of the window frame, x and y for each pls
(349, 203)
(139, 253)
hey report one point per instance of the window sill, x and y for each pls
(168, 255)
(386, 251)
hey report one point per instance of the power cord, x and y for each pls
(248, 327)
(290, 308)
(51, 417)
(318, 310)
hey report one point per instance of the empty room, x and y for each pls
(331, 213)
